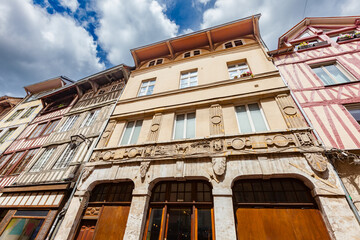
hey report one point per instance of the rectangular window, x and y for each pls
(29, 112)
(50, 127)
(188, 79)
(354, 110)
(24, 161)
(331, 73)
(38, 130)
(131, 132)
(184, 126)
(4, 159)
(6, 135)
(14, 159)
(146, 88)
(250, 118)
(45, 156)
(15, 114)
(236, 70)
(70, 121)
(90, 118)
(65, 158)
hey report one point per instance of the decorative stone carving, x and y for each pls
(107, 133)
(305, 138)
(92, 211)
(182, 148)
(237, 143)
(280, 141)
(219, 165)
(154, 129)
(258, 142)
(87, 172)
(216, 120)
(289, 111)
(144, 166)
(107, 155)
(218, 145)
(316, 161)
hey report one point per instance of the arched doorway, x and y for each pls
(107, 212)
(180, 211)
(278, 209)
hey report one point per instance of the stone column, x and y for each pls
(137, 215)
(224, 214)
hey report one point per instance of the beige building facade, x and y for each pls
(204, 138)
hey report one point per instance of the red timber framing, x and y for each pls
(325, 103)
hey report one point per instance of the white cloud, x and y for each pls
(204, 1)
(71, 4)
(127, 24)
(36, 46)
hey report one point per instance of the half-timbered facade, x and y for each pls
(7, 103)
(320, 60)
(204, 139)
(76, 115)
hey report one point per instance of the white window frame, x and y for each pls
(131, 133)
(15, 115)
(238, 68)
(233, 43)
(90, 118)
(42, 159)
(250, 118)
(28, 112)
(155, 62)
(69, 123)
(185, 125)
(65, 159)
(192, 53)
(338, 66)
(150, 82)
(186, 76)
(3, 139)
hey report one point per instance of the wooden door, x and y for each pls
(112, 223)
(280, 224)
(87, 230)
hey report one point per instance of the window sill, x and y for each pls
(348, 40)
(314, 47)
(339, 84)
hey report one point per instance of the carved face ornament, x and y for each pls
(219, 165)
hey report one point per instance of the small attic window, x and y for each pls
(234, 43)
(307, 33)
(155, 62)
(192, 53)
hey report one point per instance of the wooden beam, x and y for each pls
(80, 92)
(36, 188)
(94, 85)
(208, 34)
(125, 74)
(171, 50)
(136, 59)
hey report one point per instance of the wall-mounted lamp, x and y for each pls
(76, 140)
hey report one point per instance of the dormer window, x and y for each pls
(307, 33)
(192, 53)
(234, 43)
(155, 62)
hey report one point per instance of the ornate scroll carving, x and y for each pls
(219, 165)
(154, 129)
(316, 161)
(144, 166)
(107, 133)
(290, 111)
(92, 212)
(216, 120)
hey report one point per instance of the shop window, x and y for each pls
(184, 126)
(331, 73)
(146, 88)
(14, 115)
(180, 210)
(188, 79)
(250, 118)
(107, 211)
(131, 132)
(25, 224)
(238, 70)
(354, 110)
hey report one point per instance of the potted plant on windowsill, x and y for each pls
(357, 34)
(247, 74)
(303, 45)
(344, 37)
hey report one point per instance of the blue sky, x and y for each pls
(41, 39)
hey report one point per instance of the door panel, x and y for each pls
(87, 230)
(280, 224)
(112, 222)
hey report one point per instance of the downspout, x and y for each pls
(347, 195)
(60, 217)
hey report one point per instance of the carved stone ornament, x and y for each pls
(219, 165)
(87, 172)
(316, 161)
(144, 166)
(218, 145)
(304, 139)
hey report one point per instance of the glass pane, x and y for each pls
(337, 74)
(22, 228)
(190, 125)
(179, 226)
(136, 132)
(154, 224)
(323, 76)
(355, 113)
(204, 224)
(257, 117)
(126, 136)
(39, 213)
(179, 126)
(150, 90)
(243, 119)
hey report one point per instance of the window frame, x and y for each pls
(250, 118)
(151, 82)
(92, 118)
(189, 72)
(339, 67)
(185, 125)
(69, 123)
(28, 112)
(237, 66)
(157, 61)
(192, 53)
(131, 133)
(44, 160)
(233, 43)
(355, 106)
(8, 133)
(15, 115)
(65, 158)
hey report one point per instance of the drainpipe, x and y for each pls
(60, 217)
(347, 195)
